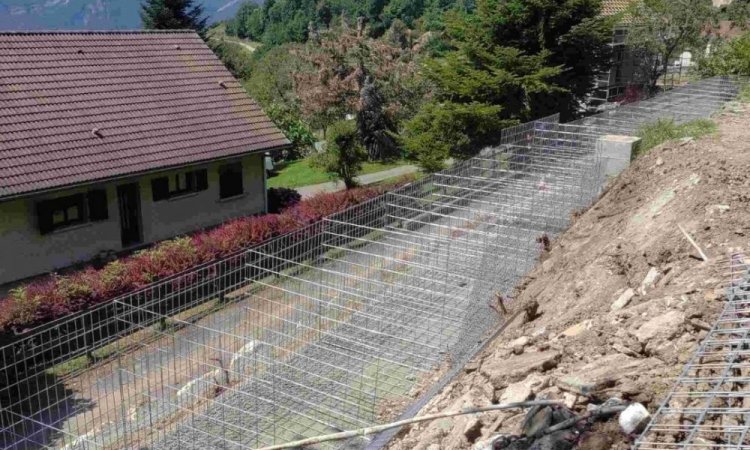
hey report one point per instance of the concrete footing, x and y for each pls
(616, 152)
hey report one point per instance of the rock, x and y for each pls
(604, 373)
(623, 300)
(537, 420)
(651, 277)
(433, 447)
(471, 367)
(625, 350)
(523, 390)
(547, 266)
(569, 400)
(523, 341)
(578, 328)
(717, 208)
(666, 325)
(201, 388)
(634, 419)
(503, 371)
(243, 362)
(659, 161)
(473, 429)
(700, 325)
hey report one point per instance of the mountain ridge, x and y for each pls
(90, 14)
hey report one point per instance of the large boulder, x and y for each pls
(502, 371)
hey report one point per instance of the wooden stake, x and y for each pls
(687, 236)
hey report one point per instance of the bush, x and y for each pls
(281, 198)
(344, 154)
(57, 296)
(727, 58)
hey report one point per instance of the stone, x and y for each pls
(523, 341)
(537, 420)
(717, 208)
(604, 373)
(666, 325)
(547, 266)
(433, 447)
(623, 300)
(473, 429)
(651, 277)
(523, 390)
(700, 325)
(559, 440)
(634, 418)
(569, 400)
(471, 367)
(500, 372)
(243, 362)
(578, 328)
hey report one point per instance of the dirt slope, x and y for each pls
(623, 298)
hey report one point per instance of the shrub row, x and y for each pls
(60, 295)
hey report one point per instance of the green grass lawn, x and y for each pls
(301, 173)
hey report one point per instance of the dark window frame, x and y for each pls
(91, 206)
(231, 181)
(194, 181)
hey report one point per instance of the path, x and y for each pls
(370, 178)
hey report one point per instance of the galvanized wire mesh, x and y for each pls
(709, 404)
(334, 326)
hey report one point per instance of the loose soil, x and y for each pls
(633, 349)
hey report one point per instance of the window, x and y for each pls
(72, 210)
(182, 183)
(230, 181)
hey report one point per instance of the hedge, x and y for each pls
(57, 296)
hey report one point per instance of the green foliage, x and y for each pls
(446, 129)
(661, 131)
(294, 128)
(666, 28)
(344, 155)
(727, 58)
(234, 57)
(173, 15)
(373, 124)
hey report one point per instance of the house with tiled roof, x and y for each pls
(113, 140)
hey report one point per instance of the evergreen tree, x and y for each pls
(173, 15)
(373, 125)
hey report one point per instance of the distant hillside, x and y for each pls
(89, 14)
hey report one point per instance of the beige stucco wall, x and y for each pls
(24, 252)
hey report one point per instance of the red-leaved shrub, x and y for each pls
(58, 296)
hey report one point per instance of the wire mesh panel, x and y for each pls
(334, 326)
(709, 404)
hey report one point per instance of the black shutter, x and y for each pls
(98, 205)
(160, 188)
(201, 180)
(44, 212)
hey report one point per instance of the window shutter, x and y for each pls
(201, 180)
(44, 217)
(98, 205)
(160, 188)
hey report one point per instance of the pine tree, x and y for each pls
(373, 125)
(173, 15)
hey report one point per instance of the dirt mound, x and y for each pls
(623, 297)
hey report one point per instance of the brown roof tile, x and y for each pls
(157, 99)
(612, 7)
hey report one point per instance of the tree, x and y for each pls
(727, 58)
(662, 29)
(241, 21)
(173, 15)
(344, 155)
(374, 126)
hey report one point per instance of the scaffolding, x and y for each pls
(336, 326)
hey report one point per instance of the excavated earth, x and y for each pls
(623, 298)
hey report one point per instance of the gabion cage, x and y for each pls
(336, 326)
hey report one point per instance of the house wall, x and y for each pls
(25, 252)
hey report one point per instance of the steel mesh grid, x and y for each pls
(322, 329)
